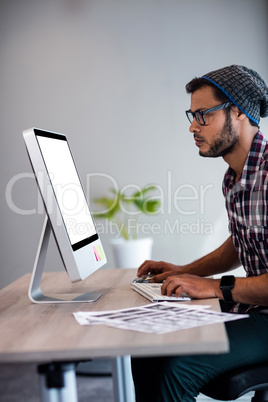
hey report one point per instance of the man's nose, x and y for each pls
(194, 127)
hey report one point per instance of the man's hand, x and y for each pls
(195, 286)
(223, 259)
(160, 269)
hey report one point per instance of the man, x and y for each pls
(226, 106)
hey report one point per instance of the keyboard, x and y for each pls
(152, 292)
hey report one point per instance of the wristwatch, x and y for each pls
(227, 283)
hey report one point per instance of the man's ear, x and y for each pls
(239, 115)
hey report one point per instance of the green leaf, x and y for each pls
(118, 207)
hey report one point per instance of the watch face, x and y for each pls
(228, 281)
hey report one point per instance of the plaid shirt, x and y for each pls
(246, 203)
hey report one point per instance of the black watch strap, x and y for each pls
(227, 294)
(226, 286)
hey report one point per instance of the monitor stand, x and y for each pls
(35, 293)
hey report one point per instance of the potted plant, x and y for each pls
(123, 211)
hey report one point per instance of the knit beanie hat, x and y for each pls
(244, 87)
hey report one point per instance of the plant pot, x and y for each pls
(131, 253)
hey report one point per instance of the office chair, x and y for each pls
(235, 383)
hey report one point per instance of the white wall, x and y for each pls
(111, 75)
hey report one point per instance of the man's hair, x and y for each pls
(198, 83)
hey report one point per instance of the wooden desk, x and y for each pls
(45, 333)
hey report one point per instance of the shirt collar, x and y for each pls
(254, 159)
(252, 163)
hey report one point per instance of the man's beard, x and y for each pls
(224, 142)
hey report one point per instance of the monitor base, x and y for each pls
(65, 298)
(35, 293)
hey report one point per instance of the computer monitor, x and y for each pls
(68, 215)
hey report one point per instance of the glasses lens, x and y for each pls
(197, 115)
(189, 115)
(200, 118)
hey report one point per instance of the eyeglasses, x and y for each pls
(199, 115)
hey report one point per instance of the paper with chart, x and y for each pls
(158, 318)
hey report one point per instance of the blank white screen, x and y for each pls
(67, 188)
